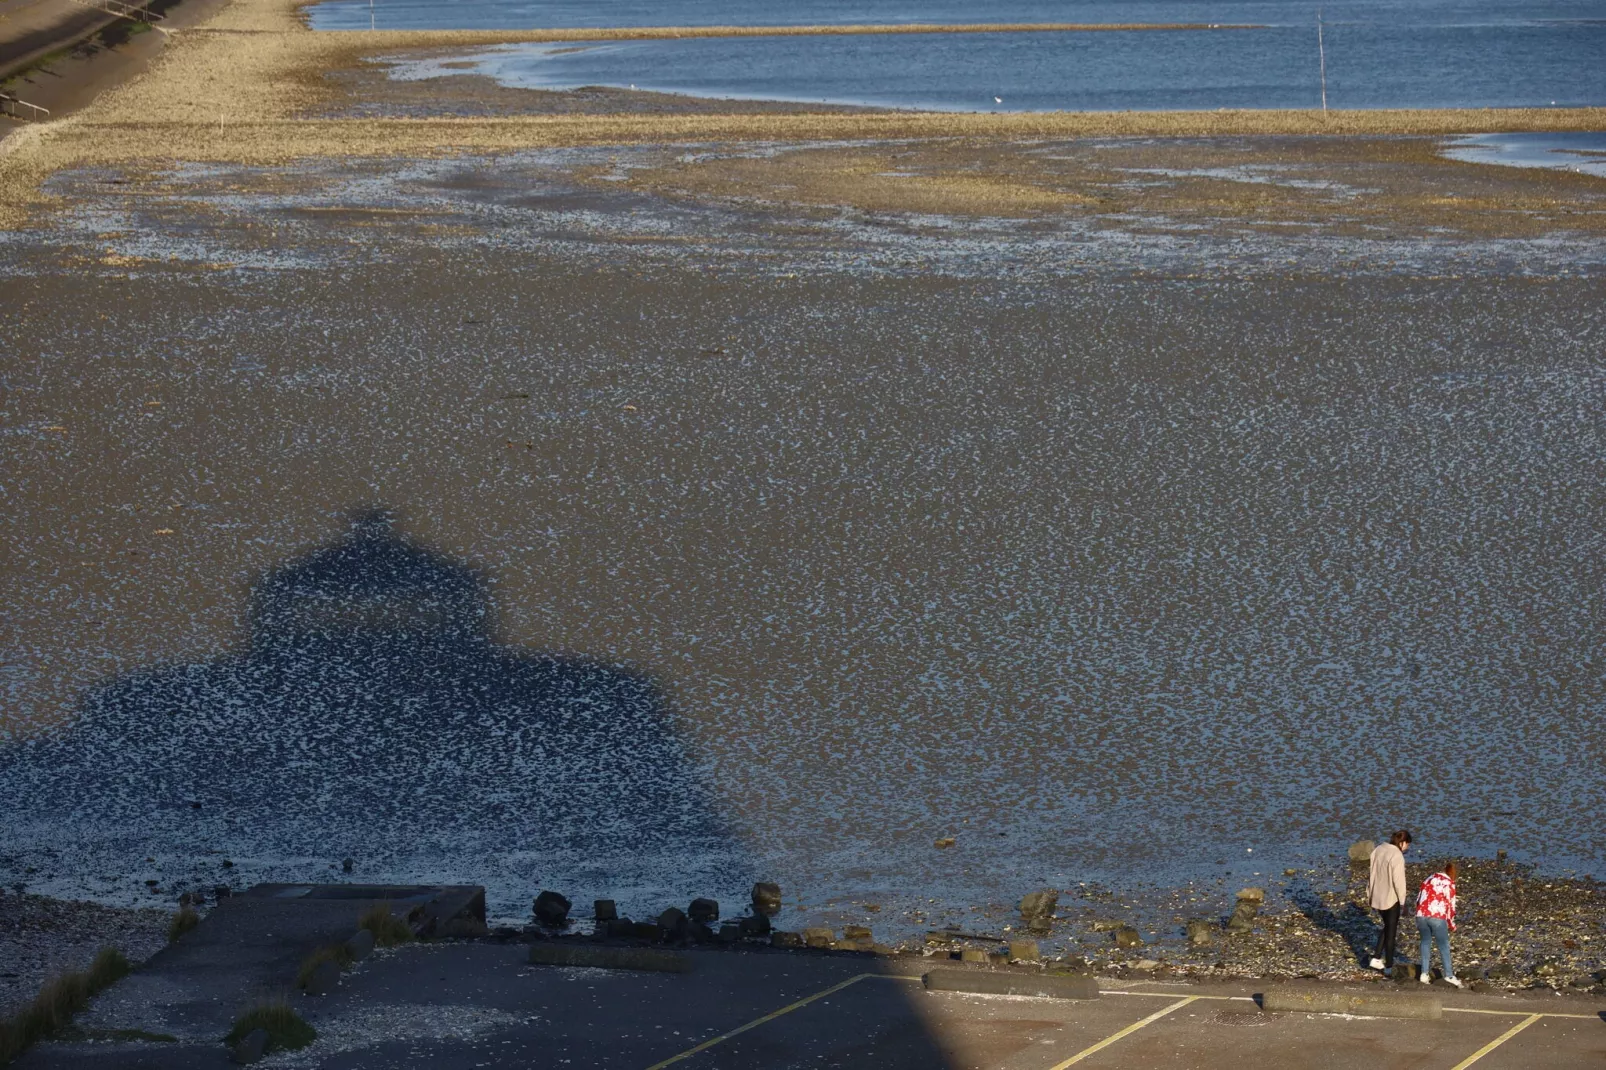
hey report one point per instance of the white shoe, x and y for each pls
(1426, 979)
(1377, 964)
(1454, 981)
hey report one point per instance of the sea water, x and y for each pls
(1379, 53)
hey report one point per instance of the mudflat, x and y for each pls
(1129, 508)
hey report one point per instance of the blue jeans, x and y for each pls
(1435, 930)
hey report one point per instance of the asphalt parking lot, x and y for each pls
(472, 1004)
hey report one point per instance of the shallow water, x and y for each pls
(1583, 151)
(729, 545)
(1380, 54)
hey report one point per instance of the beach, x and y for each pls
(1132, 498)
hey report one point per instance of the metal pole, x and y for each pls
(1321, 51)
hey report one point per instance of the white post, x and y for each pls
(370, 15)
(1321, 51)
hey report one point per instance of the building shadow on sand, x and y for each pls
(370, 713)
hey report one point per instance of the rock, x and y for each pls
(766, 899)
(346, 866)
(605, 910)
(757, 925)
(1243, 916)
(1024, 951)
(646, 930)
(552, 910)
(1201, 932)
(1126, 936)
(859, 932)
(251, 1047)
(973, 954)
(944, 843)
(1480, 986)
(221, 891)
(1547, 967)
(1146, 964)
(360, 944)
(1500, 971)
(1404, 971)
(785, 940)
(818, 937)
(1035, 906)
(998, 958)
(729, 932)
(703, 910)
(323, 979)
(673, 923)
(1361, 851)
(1256, 895)
(1105, 925)
(699, 932)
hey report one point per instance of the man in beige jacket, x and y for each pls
(1385, 889)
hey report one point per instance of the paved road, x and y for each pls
(462, 1005)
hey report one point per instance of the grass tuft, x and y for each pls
(388, 929)
(185, 920)
(287, 1030)
(61, 997)
(338, 954)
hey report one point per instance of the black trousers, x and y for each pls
(1387, 938)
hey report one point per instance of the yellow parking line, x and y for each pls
(1497, 1041)
(772, 1015)
(1517, 1014)
(1133, 1028)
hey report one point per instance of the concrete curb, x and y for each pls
(610, 958)
(999, 983)
(1338, 1001)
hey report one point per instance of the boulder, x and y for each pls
(673, 924)
(1024, 951)
(755, 926)
(1243, 916)
(347, 865)
(1201, 932)
(1361, 851)
(1126, 936)
(766, 899)
(729, 932)
(1256, 895)
(645, 930)
(786, 940)
(699, 932)
(973, 954)
(605, 910)
(862, 932)
(943, 843)
(1404, 971)
(818, 937)
(250, 1048)
(1039, 905)
(552, 910)
(360, 944)
(703, 910)
(323, 979)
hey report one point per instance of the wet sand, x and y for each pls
(1114, 506)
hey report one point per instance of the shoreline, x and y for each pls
(188, 106)
(1304, 930)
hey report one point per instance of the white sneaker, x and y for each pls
(1426, 979)
(1377, 964)
(1454, 981)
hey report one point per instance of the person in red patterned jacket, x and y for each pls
(1435, 920)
